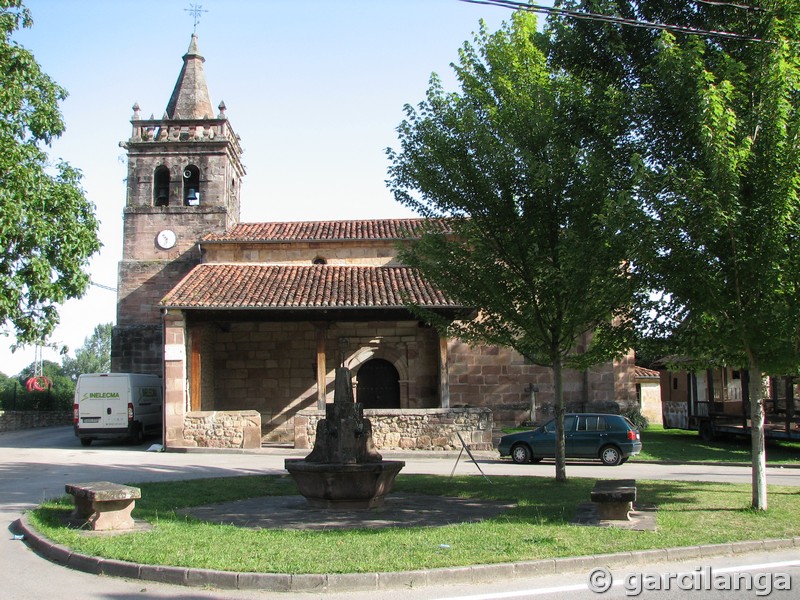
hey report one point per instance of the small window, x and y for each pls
(319, 261)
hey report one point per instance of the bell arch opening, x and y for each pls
(191, 186)
(161, 186)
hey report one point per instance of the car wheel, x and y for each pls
(521, 454)
(611, 456)
(86, 441)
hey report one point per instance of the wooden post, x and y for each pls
(195, 379)
(444, 375)
(322, 331)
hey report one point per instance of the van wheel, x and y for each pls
(86, 442)
(138, 437)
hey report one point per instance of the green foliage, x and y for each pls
(526, 176)
(58, 395)
(48, 230)
(93, 357)
(719, 122)
(636, 417)
(528, 169)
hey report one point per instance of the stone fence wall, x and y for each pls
(222, 429)
(421, 429)
(13, 420)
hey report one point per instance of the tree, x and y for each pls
(58, 395)
(48, 229)
(718, 118)
(93, 357)
(524, 176)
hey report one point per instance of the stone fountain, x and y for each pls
(344, 470)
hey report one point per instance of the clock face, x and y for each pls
(166, 239)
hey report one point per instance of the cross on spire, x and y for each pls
(196, 10)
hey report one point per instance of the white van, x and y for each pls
(117, 405)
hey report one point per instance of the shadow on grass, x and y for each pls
(539, 501)
(682, 446)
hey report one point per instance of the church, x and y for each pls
(246, 322)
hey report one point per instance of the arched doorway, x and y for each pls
(378, 384)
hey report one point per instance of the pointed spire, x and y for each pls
(190, 98)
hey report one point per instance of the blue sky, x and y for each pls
(315, 89)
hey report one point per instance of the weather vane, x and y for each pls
(196, 10)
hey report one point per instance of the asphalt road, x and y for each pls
(37, 463)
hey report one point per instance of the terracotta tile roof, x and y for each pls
(316, 231)
(254, 286)
(642, 373)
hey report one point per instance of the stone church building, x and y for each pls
(246, 322)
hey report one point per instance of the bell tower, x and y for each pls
(184, 179)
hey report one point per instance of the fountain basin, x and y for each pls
(344, 485)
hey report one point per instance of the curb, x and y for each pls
(352, 582)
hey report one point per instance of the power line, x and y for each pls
(105, 287)
(731, 5)
(588, 16)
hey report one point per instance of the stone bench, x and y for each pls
(105, 506)
(614, 499)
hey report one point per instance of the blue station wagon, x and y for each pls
(611, 438)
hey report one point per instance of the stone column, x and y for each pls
(175, 392)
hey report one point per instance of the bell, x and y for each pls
(193, 197)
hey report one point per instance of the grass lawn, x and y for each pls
(686, 446)
(539, 527)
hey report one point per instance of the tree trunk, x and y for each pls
(757, 439)
(561, 462)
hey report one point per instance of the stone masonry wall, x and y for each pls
(424, 429)
(216, 429)
(372, 253)
(137, 349)
(270, 366)
(501, 379)
(14, 420)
